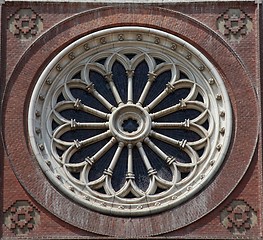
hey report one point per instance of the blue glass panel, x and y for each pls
(60, 98)
(130, 125)
(179, 116)
(87, 151)
(140, 78)
(140, 171)
(120, 171)
(101, 61)
(80, 116)
(179, 134)
(59, 152)
(162, 168)
(120, 80)
(206, 124)
(75, 175)
(200, 152)
(184, 174)
(158, 86)
(172, 99)
(130, 195)
(87, 99)
(199, 98)
(170, 150)
(130, 56)
(54, 124)
(80, 134)
(99, 166)
(183, 75)
(158, 60)
(77, 75)
(102, 87)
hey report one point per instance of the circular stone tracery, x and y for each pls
(128, 126)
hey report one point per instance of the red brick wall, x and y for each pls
(2, 74)
(23, 61)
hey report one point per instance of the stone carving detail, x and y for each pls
(239, 217)
(25, 23)
(131, 129)
(234, 24)
(21, 217)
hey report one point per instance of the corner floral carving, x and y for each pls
(21, 217)
(239, 217)
(234, 24)
(25, 23)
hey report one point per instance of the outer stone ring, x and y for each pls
(130, 126)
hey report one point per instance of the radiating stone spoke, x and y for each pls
(157, 100)
(130, 74)
(171, 87)
(78, 105)
(101, 152)
(92, 125)
(130, 174)
(166, 111)
(91, 90)
(110, 169)
(113, 88)
(182, 105)
(151, 78)
(145, 159)
(157, 150)
(95, 112)
(171, 125)
(95, 139)
(168, 140)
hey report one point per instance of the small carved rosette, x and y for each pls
(25, 23)
(239, 217)
(21, 217)
(234, 24)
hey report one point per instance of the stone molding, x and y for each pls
(129, 1)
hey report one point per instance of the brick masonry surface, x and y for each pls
(234, 196)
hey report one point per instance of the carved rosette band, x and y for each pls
(21, 217)
(239, 217)
(234, 24)
(25, 23)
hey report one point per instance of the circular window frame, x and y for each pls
(102, 40)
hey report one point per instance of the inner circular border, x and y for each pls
(199, 63)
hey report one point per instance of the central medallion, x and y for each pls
(130, 123)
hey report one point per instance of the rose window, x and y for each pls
(129, 121)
